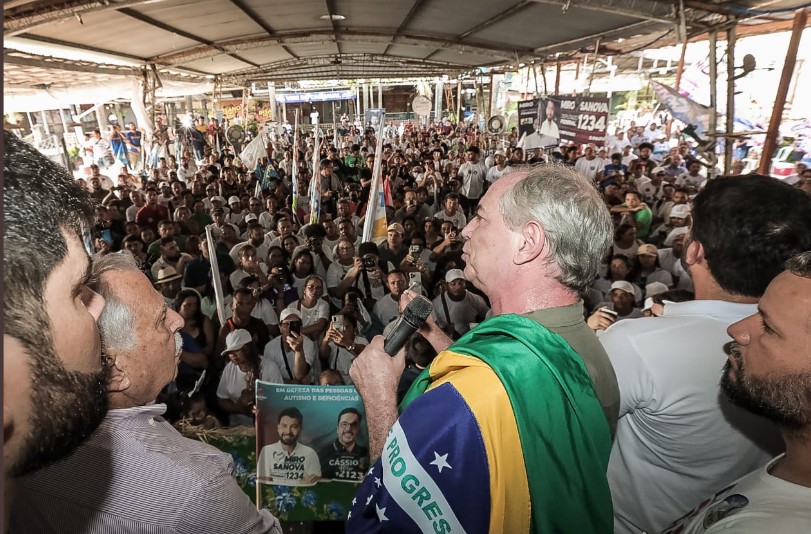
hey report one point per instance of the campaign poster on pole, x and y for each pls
(312, 449)
(375, 117)
(545, 122)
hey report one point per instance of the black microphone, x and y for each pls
(413, 317)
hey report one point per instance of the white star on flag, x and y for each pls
(377, 482)
(354, 501)
(369, 500)
(381, 513)
(372, 470)
(349, 515)
(441, 461)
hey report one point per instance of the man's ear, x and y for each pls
(532, 243)
(117, 378)
(694, 254)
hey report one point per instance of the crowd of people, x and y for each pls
(623, 257)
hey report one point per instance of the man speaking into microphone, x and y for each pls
(509, 428)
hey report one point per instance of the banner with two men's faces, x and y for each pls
(312, 450)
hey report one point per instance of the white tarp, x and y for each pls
(62, 97)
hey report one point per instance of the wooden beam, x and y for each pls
(800, 20)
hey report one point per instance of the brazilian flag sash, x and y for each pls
(564, 436)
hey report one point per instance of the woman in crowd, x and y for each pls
(302, 267)
(314, 310)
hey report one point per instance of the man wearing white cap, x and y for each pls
(676, 439)
(621, 307)
(236, 215)
(235, 392)
(393, 250)
(678, 219)
(500, 168)
(295, 354)
(457, 308)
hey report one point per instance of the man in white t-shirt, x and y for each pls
(457, 308)
(676, 437)
(472, 173)
(500, 168)
(590, 165)
(767, 373)
(288, 462)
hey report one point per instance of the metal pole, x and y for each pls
(730, 99)
(557, 79)
(713, 102)
(490, 96)
(379, 94)
(782, 90)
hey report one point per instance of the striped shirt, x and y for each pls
(137, 474)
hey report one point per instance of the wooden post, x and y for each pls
(730, 122)
(557, 79)
(782, 90)
(680, 67)
(459, 101)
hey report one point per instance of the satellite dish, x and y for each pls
(496, 124)
(235, 135)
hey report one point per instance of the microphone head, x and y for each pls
(417, 311)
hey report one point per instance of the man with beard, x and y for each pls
(53, 374)
(136, 470)
(288, 462)
(672, 418)
(170, 257)
(769, 373)
(344, 458)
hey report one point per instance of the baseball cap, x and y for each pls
(454, 274)
(233, 199)
(250, 217)
(236, 340)
(623, 286)
(397, 227)
(499, 152)
(680, 211)
(289, 312)
(676, 232)
(658, 170)
(217, 211)
(655, 288)
(647, 250)
(163, 184)
(218, 198)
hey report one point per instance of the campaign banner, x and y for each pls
(546, 122)
(374, 117)
(311, 449)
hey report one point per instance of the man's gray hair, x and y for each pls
(800, 264)
(116, 320)
(574, 217)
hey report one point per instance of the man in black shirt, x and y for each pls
(344, 458)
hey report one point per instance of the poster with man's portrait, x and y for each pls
(312, 449)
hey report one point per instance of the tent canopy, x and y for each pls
(244, 41)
